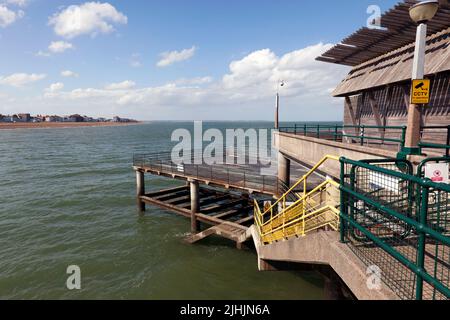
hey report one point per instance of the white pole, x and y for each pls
(418, 72)
(277, 111)
(419, 53)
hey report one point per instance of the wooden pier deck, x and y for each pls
(219, 196)
(225, 214)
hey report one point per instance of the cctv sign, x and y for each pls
(420, 91)
(437, 172)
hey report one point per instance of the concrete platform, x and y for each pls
(323, 248)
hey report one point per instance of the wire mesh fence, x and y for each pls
(398, 223)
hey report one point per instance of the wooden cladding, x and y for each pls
(388, 106)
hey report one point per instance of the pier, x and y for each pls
(365, 200)
(218, 196)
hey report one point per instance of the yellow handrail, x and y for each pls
(302, 216)
(302, 180)
(302, 199)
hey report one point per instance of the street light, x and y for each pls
(424, 11)
(420, 13)
(277, 107)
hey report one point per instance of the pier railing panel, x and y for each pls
(387, 136)
(436, 138)
(398, 224)
(234, 175)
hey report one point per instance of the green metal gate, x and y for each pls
(399, 223)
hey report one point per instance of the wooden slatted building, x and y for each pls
(377, 89)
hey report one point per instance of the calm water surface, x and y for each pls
(67, 198)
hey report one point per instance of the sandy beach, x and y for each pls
(61, 125)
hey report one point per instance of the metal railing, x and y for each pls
(344, 133)
(314, 211)
(299, 213)
(399, 223)
(246, 176)
(436, 133)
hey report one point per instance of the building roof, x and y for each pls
(396, 66)
(398, 30)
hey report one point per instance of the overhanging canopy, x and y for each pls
(398, 30)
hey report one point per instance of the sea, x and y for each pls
(67, 198)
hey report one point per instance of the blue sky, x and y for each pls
(222, 58)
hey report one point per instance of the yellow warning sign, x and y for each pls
(420, 91)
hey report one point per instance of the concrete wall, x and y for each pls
(310, 151)
(323, 248)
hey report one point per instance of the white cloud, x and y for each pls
(20, 3)
(135, 60)
(246, 90)
(21, 79)
(8, 16)
(60, 46)
(54, 87)
(89, 18)
(127, 84)
(194, 81)
(41, 53)
(250, 79)
(169, 58)
(69, 74)
(257, 74)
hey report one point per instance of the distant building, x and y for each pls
(76, 118)
(89, 119)
(24, 117)
(53, 119)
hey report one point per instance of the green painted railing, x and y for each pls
(432, 145)
(363, 134)
(400, 223)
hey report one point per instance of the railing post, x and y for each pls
(363, 130)
(318, 131)
(403, 137)
(336, 133)
(244, 179)
(304, 206)
(304, 129)
(295, 129)
(343, 203)
(422, 241)
(447, 152)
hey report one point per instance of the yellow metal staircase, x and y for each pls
(312, 210)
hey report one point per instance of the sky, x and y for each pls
(175, 59)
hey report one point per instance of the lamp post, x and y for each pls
(277, 106)
(420, 13)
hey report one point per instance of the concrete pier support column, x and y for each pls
(332, 288)
(195, 205)
(284, 169)
(264, 265)
(140, 190)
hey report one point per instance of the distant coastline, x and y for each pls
(62, 125)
